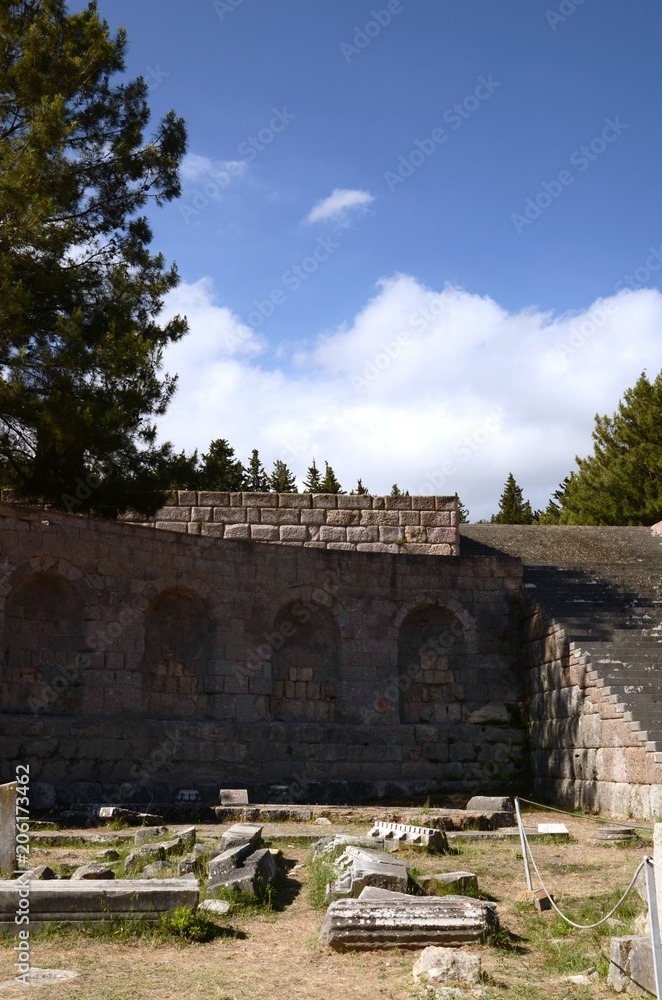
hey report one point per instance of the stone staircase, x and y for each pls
(600, 589)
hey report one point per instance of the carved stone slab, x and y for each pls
(80, 900)
(416, 922)
(417, 836)
(359, 866)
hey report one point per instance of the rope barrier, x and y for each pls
(592, 819)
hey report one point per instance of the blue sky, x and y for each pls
(362, 279)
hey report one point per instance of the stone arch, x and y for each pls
(43, 639)
(434, 644)
(305, 658)
(178, 647)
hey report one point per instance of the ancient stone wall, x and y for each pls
(136, 663)
(398, 525)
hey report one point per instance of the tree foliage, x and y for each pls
(282, 480)
(513, 509)
(313, 481)
(220, 470)
(330, 484)
(621, 482)
(80, 290)
(257, 480)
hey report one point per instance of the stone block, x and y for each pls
(80, 901)
(180, 526)
(341, 546)
(360, 866)
(239, 532)
(409, 517)
(380, 518)
(252, 877)
(265, 533)
(185, 498)
(241, 833)
(148, 833)
(390, 535)
(173, 514)
(415, 836)
(415, 534)
(344, 518)
(260, 499)
(294, 533)
(327, 501)
(449, 883)
(212, 498)
(491, 803)
(357, 502)
(313, 517)
(229, 515)
(8, 829)
(93, 872)
(397, 503)
(631, 961)
(449, 921)
(440, 536)
(201, 513)
(422, 503)
(295, 500)
(328, 534)
(233, 796)
(279, 516)
(436, 519)
(446, 965)
(363, 534)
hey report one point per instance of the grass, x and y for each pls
(320, 872)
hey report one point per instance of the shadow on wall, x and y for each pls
(306, 668)
(432, 652)
(43, 634)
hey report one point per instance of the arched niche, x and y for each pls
(178, 645)
(305, 665)
(432, 649)
(42, 640)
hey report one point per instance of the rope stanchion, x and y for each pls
(581, 927)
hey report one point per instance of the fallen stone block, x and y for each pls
(615, 834)
(631, 961)
(194, 863)
(559, 831)
(241, 833)
(93, 871)
(417, 836)
(372, 893)
(538, 897)
(159, 869)
(446, 965)
(62, 900)
(108, 855)
(416, 922)
(360, 866)
(8, 857)
(129, 816)
(42, 977)
(40, 872)
(226, 861)
(219, 907)
(326, 844)
(253, 877)
(491, 803)
(147, 833)
(449, 883)
(144, 855)
(234, 796)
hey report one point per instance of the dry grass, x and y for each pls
(277, 954)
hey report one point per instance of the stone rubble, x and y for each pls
(435, 966)
(445, 883)
(360, 866)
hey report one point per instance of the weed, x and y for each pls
(185, 923)
(320, 872)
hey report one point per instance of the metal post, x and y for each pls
(525, 853)
(655, 923)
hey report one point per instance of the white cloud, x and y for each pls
(339, 205)
(439, 391)
(196, 169)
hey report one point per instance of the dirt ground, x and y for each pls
(277, 954)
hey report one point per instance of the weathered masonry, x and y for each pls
(137, 662)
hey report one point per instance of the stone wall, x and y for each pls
(585, 754)
(398, 525)
(136, 663)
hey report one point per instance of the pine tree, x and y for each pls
(462, 512)
(257, 480)
(361, 490)
(281, 479)
(330, 484)
(313, 481)
(513, 509)
(80, 290)
(621, 482)
(395, 490)
(552, 512)
(220, 470)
